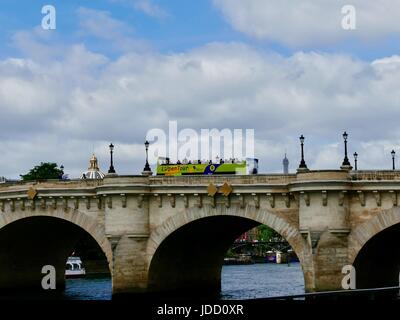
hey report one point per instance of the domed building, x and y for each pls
(93, 171)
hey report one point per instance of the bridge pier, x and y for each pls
(328, 259)
(129, 274)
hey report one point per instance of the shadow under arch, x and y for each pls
(186, 252)
(377, 264)
(364, 232)
(29, 242)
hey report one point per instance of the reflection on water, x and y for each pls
(238, 282)
(88, 288)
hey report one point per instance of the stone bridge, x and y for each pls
(171, 233)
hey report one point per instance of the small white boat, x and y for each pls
(74, 268)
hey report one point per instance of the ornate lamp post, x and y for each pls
(147, 169)
(346, 163)
(393, 159)
(302, 166)
(111, 170)
(355, 160)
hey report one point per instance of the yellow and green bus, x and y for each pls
(198, 168)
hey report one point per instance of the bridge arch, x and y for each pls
(215, 223)
(364, 232)
(23, 231)
(373, 250)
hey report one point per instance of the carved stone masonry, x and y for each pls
(271, 199)
(324, 198)
(140, 200)
(53, 202)
(199, 201)
(306, 198)
(123, 200)
(159, 199)
(76, 202)
(99, 202)
(185, 200)
(87, 203)
(113, 241)
(286, 197)
(64, 202)
(33, 204)
(172, 200)
(227, 201)
(361, 196)
(12, 204)
(109, 202)
(394, 197)
(377, 195)
(312, 238)
(341, 197)
(241, 200)
(256, 198)
(42, 203)
(22, 203)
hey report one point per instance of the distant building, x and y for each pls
(93, 171)
(5, 180)
(285, 165)
(249, 236)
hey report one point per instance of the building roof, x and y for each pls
(93, 171)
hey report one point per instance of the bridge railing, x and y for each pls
(375, 175)
(233, 179)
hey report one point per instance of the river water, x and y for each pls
(237, 282)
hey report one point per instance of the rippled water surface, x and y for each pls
(261, 280)
(238, 282)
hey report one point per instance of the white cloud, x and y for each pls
(59, 109)
(151, 9)
(310, 22)
(100, 24)
(148, 7)
(115, 34)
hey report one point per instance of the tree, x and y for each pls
(44, 171)
(265, 233)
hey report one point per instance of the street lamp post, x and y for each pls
(302, 166)
(147, 169)
(346, 163)
(393, 159)
(355, 160)
(111, 170)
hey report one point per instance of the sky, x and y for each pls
(113, 70)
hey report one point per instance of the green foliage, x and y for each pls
(230, 253)
(44, 171)
(265, 233)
